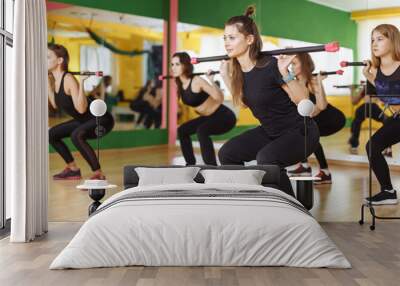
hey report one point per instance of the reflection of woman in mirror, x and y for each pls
(265, 85)
(384, 73)
(148, 104)
(154, 99)
(206, 97)
(328, 118)
(67, 94)
(100, 91)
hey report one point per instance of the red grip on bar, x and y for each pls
(193, 61)
(343, 64)
(340, 72)
(99, 73)
(332, 47)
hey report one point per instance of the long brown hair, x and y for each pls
(392, 33)
(61, 52)
(246, 26)
(184, 59)
(307, 66)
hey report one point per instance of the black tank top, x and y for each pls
(386, 85)
(64, 102)
(191, 98)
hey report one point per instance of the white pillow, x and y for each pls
(163, 176)
(248, 177)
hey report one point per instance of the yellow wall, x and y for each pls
(130, 75)
(189, 41)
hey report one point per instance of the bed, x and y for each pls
(201, 224)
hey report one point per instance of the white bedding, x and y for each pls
(183, 231)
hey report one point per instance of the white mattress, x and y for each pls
(202, 231)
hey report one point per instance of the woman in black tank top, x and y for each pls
(328, 118)
(265, 86)
(215, 118)
(67, 94)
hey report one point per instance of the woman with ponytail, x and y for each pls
(265, 85)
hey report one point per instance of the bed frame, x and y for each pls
(274, 177)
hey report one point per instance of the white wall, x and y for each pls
(95, 58)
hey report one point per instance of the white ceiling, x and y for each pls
(355, 5)
(113, 17)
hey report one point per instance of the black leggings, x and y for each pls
(147, 113)
(387, 135)
(221, 121)
(362, 112)
(285, 150)
(329, 121)
(79, 133)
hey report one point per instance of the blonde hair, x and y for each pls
(392, 33)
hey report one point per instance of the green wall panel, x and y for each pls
(126, 139)
(291, 19)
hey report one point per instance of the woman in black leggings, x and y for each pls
(384, 74)
(67, 94)
(328, 118)
(215, 118)
(361, 113)
(265, 85)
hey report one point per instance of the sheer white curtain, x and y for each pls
(27, 123)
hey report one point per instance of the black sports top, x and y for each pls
(387, 85)
(191, 98)
(269, 103)
(64, 102)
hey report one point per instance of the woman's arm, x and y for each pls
(75, 89)
(225, 74)
(320, 96)
(212, 89)
(296, 91)
(293, 88)
(369, 72)
(356, 95)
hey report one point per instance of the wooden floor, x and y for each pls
(375, 258)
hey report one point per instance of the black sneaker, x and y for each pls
(383, 198)
(324, 178)
(68, 174)
(300, 171)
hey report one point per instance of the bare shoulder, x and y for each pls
(198, 83)
(198, 80)
(70, 84)
(70, 79)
